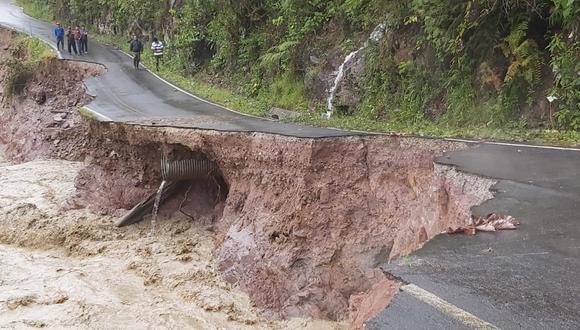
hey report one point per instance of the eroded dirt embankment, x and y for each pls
(82, 272)
(305, 222)
(45, 112)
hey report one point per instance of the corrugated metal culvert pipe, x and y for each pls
(176, 170)
(172, 172)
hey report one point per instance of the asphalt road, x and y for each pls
(124, 94)
(522, 279)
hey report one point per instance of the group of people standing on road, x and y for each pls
(77, 39)
(78, 42)
(136, 47)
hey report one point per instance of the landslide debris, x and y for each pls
(306, 222)
(76, 269)
(302, 229)
(489, 223)
(43, 120)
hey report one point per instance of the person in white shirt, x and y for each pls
(157, 47)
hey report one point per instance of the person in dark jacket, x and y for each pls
(59, 34)
(136, 47)
(85, 40)
(70, 38)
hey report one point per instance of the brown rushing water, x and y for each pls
(104, 277)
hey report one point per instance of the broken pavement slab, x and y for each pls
(515, 279)
(490, 223)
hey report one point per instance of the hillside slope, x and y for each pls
(447, 67)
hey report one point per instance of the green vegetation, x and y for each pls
(473, 68)
(27, 54)
(39, 9)
(223, 96)
(32, 50)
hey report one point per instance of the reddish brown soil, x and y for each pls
(366, 305)
(44, 121)
(306, 221)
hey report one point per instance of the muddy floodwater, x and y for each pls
(74, 269)
(283, 228)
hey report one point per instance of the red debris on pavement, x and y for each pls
(491, 222)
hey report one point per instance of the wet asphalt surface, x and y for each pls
(522, 279)
(124, 94)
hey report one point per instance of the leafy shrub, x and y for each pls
(262, 48)
(566, 67)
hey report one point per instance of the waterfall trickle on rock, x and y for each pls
(376, 35)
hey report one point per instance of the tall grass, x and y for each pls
(40, 10)
(27, 54)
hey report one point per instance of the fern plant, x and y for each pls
(278, 56)
(524, 56)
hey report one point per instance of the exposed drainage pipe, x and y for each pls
(137, 213)
(176, 170)
(172, 171)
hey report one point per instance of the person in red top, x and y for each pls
(78, 39)
(70, 37)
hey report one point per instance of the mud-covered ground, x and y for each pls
(299, 225)
(75, 269)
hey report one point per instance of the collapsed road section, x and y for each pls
(300, 224)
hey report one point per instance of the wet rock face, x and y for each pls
(306, 222)
(320, 78)
(350, 90)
